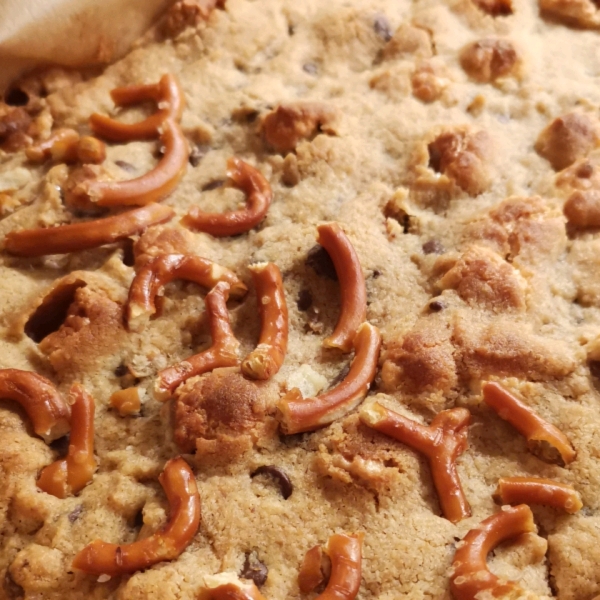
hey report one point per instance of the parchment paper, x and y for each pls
(70, 33)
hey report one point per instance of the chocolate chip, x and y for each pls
(319, 260)
(13, 590)
(213, 185)
(436, 306)
(376, 273)
(594, 366)
(128, 257)
(433, 247)
(340, 376)
(196, 156)
(138, 521)
(254, 569)
(382, 28)
(61, 445)
(125, 166)
(16, 97)
(285, 485)
(121, 370)
(75, 514)
(435, 157)
(310, 68)
(305, 300)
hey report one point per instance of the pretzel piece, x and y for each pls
(71, 474)
(82, 236)
(167, 543)
(352, 285)
(528, 423)
(297, 414)
(167, 93)
(311, 572)
(535, 490)
(471, 577)
(227, 586)
(442, 443)
(263, 362)
(345, 552)
(157, 272)
(222, 353)
(126, 402)
(150, 187)
(45, 407)
(258, 199)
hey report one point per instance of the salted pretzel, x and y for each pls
(442, 443)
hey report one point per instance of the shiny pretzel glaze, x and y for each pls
(153, 186)
(526, 421)
(311, 573)
(297, 414)
(159, 271)
(227, 586)
(167, 543)
(352, 285)
(222, 353)
(45, 407)
(442, 443)
(267, 358)
(127, 401)
(534, 490)
(345, 552)
(258, 199)
(71, 474)
(82, 236)
(167, 93)
(470, 573)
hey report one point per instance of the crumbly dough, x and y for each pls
(445, 137)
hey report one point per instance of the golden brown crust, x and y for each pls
(288, 124)
(222, 407)
(464, 157)
(489, 59)
(568, 138)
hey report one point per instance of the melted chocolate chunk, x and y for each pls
(283, 481)
(433, 247)
(319, 260)
(382, 28)
(304, 301)
(436, 306)
(254, 569)
(213, 185)
(75, 514)
(16, 97)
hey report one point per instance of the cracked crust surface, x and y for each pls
(446, 138)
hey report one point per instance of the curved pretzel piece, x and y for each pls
(267, 358)
(167, 543)
(157, 272)
(150, 187)
(352, 285)
(258, 199)
(71, 474)
(82, 236)
(311, 571)
(297, 414)
(345, 552)
(442, 443)
(222, 353)
(529, 424)
(228, 586)
(167, 93)
(470, 574)
(45, 407)
(534, 490)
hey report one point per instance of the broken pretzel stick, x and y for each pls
(222, 353)
(442, 443)
(297, 414)
(547, 441)
(179, 483)
(267, 358)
